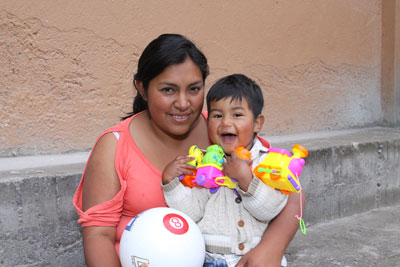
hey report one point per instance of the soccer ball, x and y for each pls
(162, 237)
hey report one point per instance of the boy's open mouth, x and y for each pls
(228, 138)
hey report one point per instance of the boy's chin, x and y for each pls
(228, 148)
(228, 151)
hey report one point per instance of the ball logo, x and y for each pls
(175, 223)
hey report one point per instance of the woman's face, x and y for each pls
(175, 98)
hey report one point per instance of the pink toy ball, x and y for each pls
(162, 237)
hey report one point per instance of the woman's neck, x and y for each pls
(159, 147)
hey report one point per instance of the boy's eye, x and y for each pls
(217, 116)
(237, 114)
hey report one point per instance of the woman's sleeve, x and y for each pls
(104, 214)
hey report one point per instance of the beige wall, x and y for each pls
(66, 66)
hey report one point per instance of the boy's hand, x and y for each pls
(176, 168)
(238, 169)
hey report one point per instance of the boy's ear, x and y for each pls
(139, 88)
(258, 123)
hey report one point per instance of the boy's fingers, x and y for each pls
(184, 158)
(190, 167)
(190, 158)
(234, 155)
(186, 171)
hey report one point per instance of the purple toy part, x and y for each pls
(281, 151)
(214, 190)
(293, 182)
(200, 179)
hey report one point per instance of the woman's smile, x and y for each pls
(180, 117)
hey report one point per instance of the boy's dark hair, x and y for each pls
(237, 86)
(164, 51)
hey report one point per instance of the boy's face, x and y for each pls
(232, 124)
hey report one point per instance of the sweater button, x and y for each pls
(241, 246)
(238, 199)
(241, 223)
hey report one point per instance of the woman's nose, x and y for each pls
(182, 102)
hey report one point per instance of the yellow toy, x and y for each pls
(281, 170)
(189, 180)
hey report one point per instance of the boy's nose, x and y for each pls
(226, 121)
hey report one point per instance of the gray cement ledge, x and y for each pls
(366, 239)
(347, 172)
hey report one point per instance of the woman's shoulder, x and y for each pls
(111, 135)
(122, 125)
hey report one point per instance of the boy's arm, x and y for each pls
(188, 200)
(262, 201)
(276, 238)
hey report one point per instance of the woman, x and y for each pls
(123, 174)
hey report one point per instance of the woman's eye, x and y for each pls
(195, 89)
(167, 89)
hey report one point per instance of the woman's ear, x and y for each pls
(139, 87)
(258, 123)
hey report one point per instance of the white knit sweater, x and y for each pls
(229, 227)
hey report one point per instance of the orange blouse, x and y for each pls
(140, 186)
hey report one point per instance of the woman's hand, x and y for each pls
(260, 257)
(176, 168)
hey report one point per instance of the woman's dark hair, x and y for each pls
(237, 86)
(166, 50)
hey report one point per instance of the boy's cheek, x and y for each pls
(212, 130)
(213, 137)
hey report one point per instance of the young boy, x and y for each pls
(232, 221)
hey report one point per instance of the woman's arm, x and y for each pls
(277, 237)
(100, 184)
(99, 246)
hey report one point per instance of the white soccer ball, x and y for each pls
(162, 237)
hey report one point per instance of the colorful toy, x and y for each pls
(281, 170)
(243, 153)
(189, 180)
(209, 168)
(162, 237)
(209, 171)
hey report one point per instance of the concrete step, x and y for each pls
(347, 172)
(367, 239)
